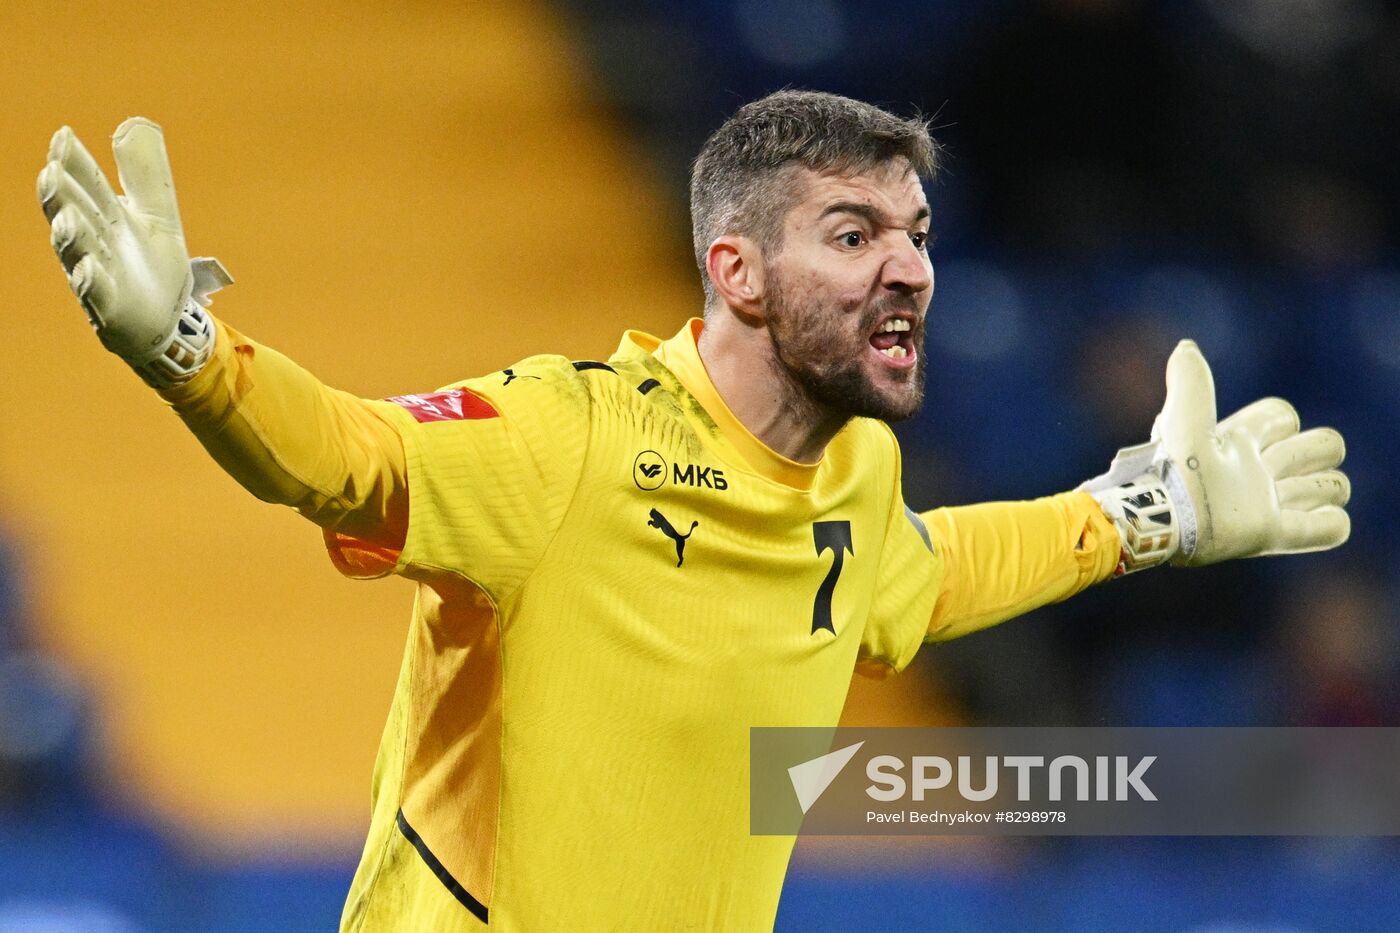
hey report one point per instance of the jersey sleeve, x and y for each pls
(470, 480)
(492, 465)
(952, 571)
(1002, 559)
(291, 440)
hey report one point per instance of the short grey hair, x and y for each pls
(741, 181)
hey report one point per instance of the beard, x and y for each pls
(824, 357)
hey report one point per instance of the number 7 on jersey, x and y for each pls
(836, 537)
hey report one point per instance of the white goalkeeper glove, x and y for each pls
(1201, 492)
(125, 256)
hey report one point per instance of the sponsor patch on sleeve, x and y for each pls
(451, 405)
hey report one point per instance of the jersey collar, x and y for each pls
(681, 355)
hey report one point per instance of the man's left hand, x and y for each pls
(1202, 492)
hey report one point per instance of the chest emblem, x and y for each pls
(659, 522)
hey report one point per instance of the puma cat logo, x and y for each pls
(659, 521)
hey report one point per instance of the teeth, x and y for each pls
(896, 352)
(897, 324)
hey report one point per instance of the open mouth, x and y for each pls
(894, 340)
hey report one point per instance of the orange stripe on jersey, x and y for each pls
(448, 405)
(360, 559)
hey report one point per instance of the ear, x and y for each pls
(735, 265)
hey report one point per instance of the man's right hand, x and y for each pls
(125, 255)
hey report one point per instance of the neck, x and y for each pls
(744, 367)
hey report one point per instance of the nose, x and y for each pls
(908, 270)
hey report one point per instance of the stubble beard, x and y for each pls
(823, 361)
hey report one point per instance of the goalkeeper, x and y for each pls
(622, 566)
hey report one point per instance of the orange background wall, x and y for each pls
(407, 193)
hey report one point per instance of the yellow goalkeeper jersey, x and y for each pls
(616, 582)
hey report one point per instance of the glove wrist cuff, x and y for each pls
(1147, 523)
(184, 352)
(191, 341)
(1184, 512)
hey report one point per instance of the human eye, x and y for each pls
(923, 239)
(851, 239)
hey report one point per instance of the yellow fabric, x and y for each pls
(289, 439)
(1004, 559)
(569, 737)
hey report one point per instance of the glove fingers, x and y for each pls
(73, 238)
(1188, 417)
(68, 151)
(1313, 491)
(94, 288)
(144, 169)
(1267, 421)
(1308, 452)
(1316, 530)
(57, 189)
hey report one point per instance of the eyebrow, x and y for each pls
(869, 213)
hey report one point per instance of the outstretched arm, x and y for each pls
(273, 426)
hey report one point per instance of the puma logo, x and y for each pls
(659, 521)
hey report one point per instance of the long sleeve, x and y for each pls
(288, 439)
(951, 571)
(1002, 559)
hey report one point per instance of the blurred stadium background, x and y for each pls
(190, 698)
